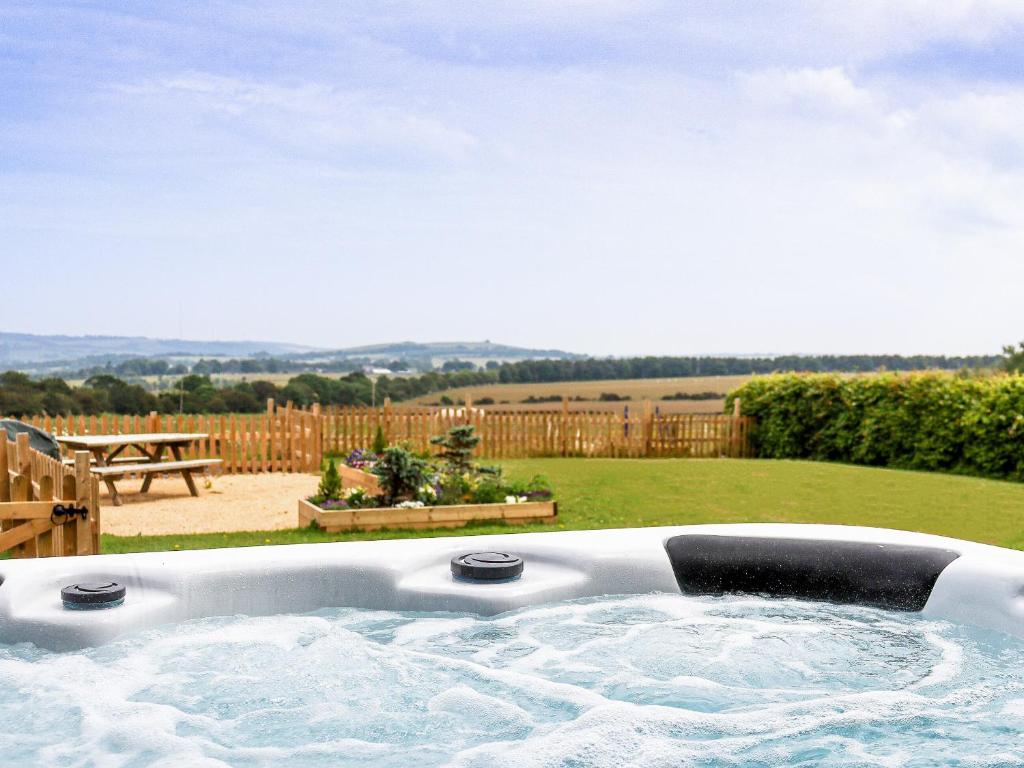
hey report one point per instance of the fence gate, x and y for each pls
(47, 509)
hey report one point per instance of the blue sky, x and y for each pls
(609, 177)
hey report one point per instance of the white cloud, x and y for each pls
(319, 118)
(808, 89)
(986, 123)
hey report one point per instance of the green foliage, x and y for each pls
(490, 490)
(401, 474)
(380, 444)
(453, 489)
(936, 422)
(693, 396)
(451, 366)
(330, 482)
(599, 369)
(358, 498)
(457, 448)
(1014, 361)
(538, 488)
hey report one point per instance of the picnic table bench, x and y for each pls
(109, 465)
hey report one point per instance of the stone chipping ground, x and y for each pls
(225, 503)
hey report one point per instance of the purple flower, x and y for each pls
(334, 504)
(360, 459)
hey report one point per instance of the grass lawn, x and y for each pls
(619, 493)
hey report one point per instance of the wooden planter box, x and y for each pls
(455, 516)
(356, 478)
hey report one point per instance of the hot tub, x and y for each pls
(707, 645)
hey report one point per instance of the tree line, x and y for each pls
(141, 366)
(196, 393)
(528, 371)
(21, 395)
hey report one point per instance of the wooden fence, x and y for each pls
(642, 432)
(287, 439)
(283, 439)
(32, 485)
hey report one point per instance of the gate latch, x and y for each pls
(63, 514)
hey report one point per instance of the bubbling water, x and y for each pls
(652, 680)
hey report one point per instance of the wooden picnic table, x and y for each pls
(109, 465)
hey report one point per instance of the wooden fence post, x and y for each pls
(273, 443)
(736, 447)
(648, 427)
(322, 420)
(94, 513)
(315, 447)
(78, 534)
(45, 540)
(387, 420)
(24, 462)
(5, 476)
(563, 429)
(83, 498)
(24, 455)
(289, 445)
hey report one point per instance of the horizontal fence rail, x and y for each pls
(287, 439)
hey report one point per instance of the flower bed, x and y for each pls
(391, 487)
(452, 516)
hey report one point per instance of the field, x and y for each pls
(615, 493)
(636, 389)
(159, 383)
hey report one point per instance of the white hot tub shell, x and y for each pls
(981, 585)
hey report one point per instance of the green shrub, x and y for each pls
(380, 443)
(537, 489)
(489, 491)
(330, 482)
(453, 489)
(928, 421)
(457, 447)
(401, 474)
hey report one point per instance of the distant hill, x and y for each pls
(450, 350)
(21, 349)
(28, 351)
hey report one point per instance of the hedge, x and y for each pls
(928, 421)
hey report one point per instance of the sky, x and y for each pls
(611, 177)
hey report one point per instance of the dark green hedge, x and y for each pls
(939, 422)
